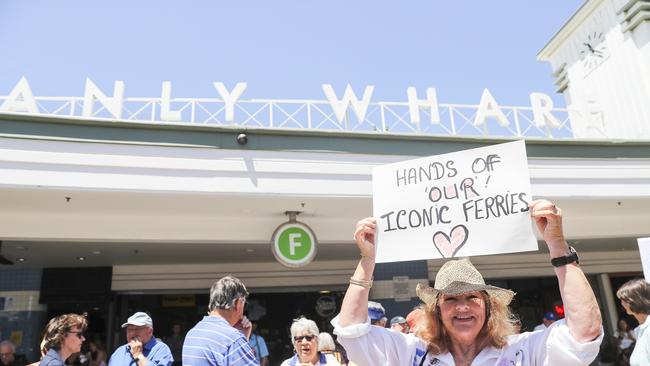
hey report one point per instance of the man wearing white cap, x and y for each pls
(142, 348)
(399, 324)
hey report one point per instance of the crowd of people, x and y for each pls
(461, 321)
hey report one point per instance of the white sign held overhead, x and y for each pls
(644, 251)
(472, 202)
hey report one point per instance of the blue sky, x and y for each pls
(282, 48)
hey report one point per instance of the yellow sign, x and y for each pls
(178, 301)
(16, 337)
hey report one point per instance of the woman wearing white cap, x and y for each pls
(469, 322)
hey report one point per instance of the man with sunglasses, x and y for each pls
(142, 348)
(221, 337)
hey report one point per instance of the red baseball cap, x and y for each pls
(414, 318)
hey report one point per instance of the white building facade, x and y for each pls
(169, 194)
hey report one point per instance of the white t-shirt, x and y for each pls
(539, 327)
(641, 354)
(626, 341)
(328, 358)
(374, 346)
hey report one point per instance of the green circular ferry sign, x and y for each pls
(294, 244)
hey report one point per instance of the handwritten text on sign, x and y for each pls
(472, 202)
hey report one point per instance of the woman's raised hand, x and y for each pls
(548, 218)
(364, 235)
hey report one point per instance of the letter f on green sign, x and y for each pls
(293, 244)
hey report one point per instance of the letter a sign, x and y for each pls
(294, 244)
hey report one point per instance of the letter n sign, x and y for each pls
(294, 244)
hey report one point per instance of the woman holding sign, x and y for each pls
(469, 322)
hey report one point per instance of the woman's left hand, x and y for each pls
(548, 218)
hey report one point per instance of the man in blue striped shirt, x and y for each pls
(221, 338)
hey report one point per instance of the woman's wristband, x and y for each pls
(371, 258)
(363, 283)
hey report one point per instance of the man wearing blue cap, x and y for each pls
(377, 314)
(142, 348)
(549, 318)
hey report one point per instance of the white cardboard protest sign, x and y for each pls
(644, 251)
(467, 203)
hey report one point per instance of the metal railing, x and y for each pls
(381, 117)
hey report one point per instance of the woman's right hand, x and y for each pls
(364, 235)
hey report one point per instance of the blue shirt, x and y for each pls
(156, 352)
(52, 358)
(214, 342)
(259, 346)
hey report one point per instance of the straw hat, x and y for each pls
(458, 277)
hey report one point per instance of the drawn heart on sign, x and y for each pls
(448, 245)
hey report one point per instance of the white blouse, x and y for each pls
(626, 341)
(328, 358)
(369, 345)
(641, 353)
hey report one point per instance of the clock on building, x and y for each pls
(593, 51)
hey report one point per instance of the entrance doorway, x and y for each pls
(534, 296)
(280, 311)
(272, 313)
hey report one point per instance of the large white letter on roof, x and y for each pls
(166, 114)
(349, 98)
(113, 105)
(415, 104)
(20, 99)
(229, 99)
(542, 105)
(488, 108)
